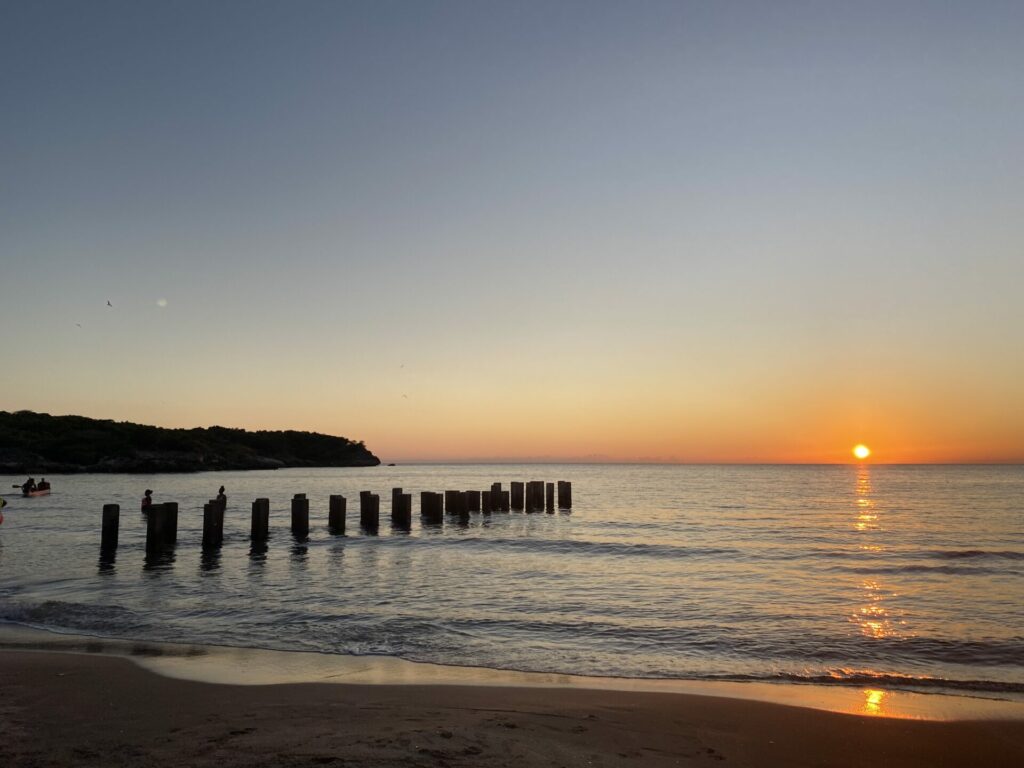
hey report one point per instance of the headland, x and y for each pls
(38, 443)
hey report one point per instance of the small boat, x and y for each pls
(43, 492)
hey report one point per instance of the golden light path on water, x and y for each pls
(874, 618)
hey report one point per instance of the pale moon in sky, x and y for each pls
(161, 303)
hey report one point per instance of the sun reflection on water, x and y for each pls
(873, 617)
(874, 702)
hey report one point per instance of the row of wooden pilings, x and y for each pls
(162, 519)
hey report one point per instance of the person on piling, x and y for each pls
(147, 500)
(221, 498)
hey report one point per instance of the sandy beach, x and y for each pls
(77, 709)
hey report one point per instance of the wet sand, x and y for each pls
(75, 709)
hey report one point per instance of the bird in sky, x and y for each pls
(109, 304)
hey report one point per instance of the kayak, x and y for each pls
(44, 492)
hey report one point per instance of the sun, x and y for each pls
(861, 451)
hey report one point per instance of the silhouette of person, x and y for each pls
(28, 486)
(221, 498)
(147, 500)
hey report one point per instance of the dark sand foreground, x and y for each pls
(60, 709)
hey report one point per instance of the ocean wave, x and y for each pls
(582, 547)
(948, 570)
(974, 554)
(860, 678)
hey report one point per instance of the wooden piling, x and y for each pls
(504, 501)
(486, 502)
(451, 502)
(170, 523)
(111, 524)
(156, 528)
(336, 514)
(531, 496)
(473, 501)
(431, 508)
(300, 515)
(550, 494)
(564, 494)
(496, 497)
(260, 528)
(213, 524)
(401, 513)
(369, 511)
(517, 496)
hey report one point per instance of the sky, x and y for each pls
(620, 231)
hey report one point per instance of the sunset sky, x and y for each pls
(686, 231)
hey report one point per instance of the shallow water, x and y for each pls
(903, 577)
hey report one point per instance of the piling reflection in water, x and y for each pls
(209, 561)
(107, 561)
(258, 553)
(159, 561)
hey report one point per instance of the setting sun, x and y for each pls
(861, 451)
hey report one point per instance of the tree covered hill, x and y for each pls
(39, 443)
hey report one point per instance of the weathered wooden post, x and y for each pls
(451, 502)
(171, 522)
(369, 511)
(213, 524)
(496, 497)
(260, 529)
(564, 494)
(156, 528)
(401, 513)
(300, 515)
(427, 507)
(111, 524)
(336, 514)
(504, 501)
(473, 500)
(432, 506)
(485, 502)
(396, 501)
(517, 495)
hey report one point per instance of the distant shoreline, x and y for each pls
(38, 443)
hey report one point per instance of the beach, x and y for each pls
(78, 709)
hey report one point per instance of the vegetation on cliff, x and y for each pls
(40, 443)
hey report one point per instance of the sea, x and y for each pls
(908, 577)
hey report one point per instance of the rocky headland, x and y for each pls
(38, 443)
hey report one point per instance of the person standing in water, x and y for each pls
(147, 500)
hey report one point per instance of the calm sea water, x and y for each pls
(911, 577)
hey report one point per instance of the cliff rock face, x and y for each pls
(39, 443)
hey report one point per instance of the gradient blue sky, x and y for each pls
(692, 231)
